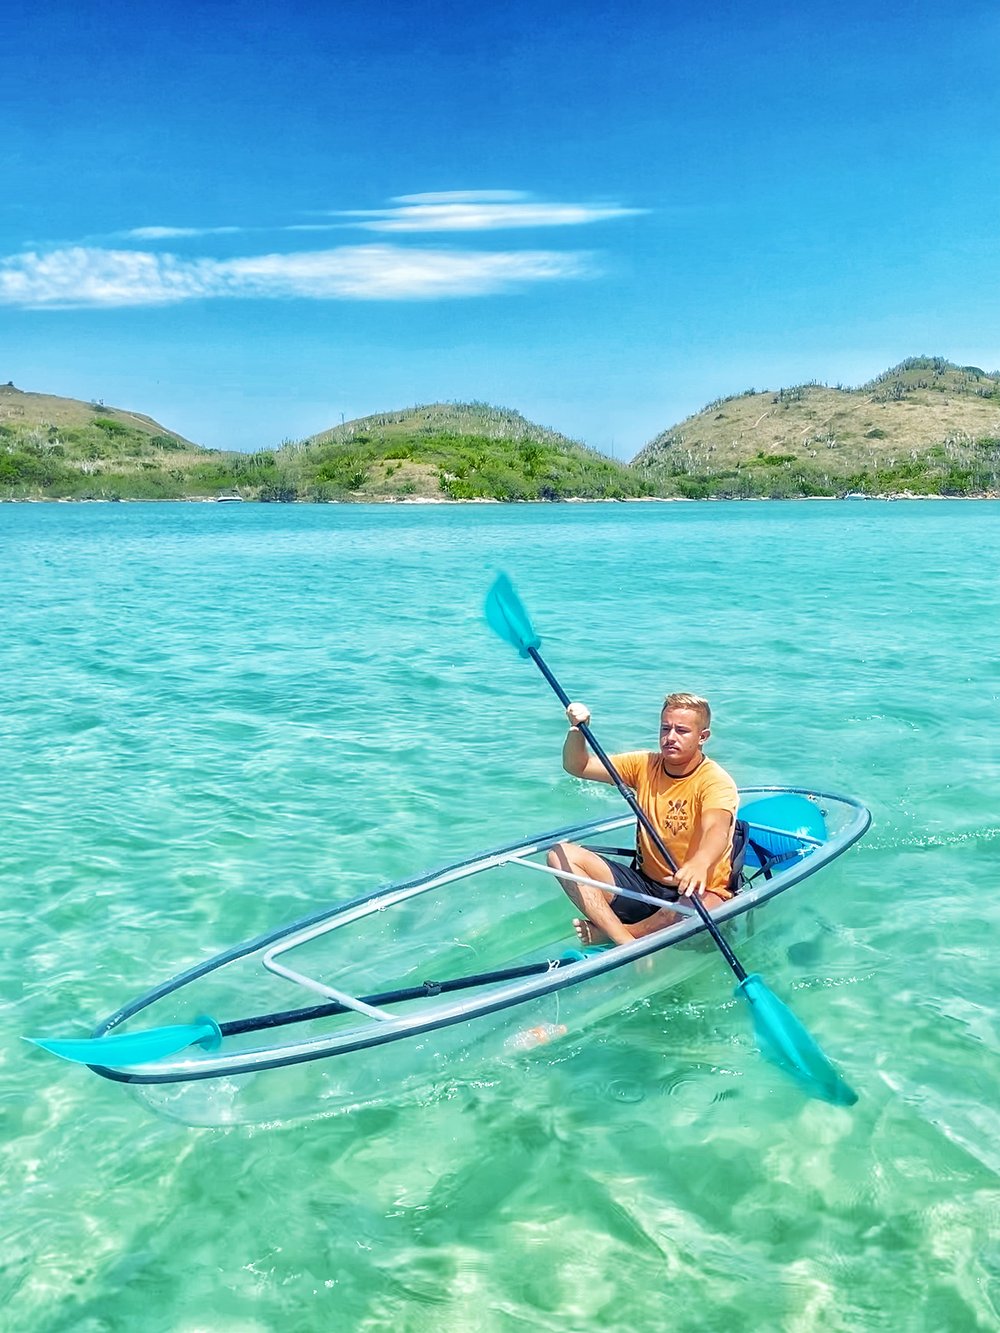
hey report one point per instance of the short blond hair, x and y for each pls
(695, 703)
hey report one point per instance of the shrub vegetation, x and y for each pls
(924, 427)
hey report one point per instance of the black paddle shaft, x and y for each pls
(640, 815)
(260, 1022)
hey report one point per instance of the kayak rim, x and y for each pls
(562, 972)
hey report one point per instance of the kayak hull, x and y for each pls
(337, 1038)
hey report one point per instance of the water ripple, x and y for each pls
(215, 718)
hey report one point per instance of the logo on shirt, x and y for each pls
(675, 816)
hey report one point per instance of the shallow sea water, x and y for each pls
(214, 718)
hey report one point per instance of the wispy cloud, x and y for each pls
(434, 211)
(89, 275)
(482, 210)
(171, 233)
(86, 277)
(463, 197)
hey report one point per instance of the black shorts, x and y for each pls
(627, 910)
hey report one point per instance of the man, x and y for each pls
(688, 798)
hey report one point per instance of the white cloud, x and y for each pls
(470, 215)
(432, 211)
(87, 277)
(463, 197)
(169, 233)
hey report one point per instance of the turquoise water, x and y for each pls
(215, 718)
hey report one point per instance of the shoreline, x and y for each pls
(424, 500)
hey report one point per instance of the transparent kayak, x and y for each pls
(371, 997)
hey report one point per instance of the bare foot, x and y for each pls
(587, 933)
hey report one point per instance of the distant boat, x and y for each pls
(228, 499)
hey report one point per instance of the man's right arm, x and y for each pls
(577, 758)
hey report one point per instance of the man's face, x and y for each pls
(681, 737)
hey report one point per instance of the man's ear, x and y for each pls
(705, 734)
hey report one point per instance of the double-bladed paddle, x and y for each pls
(134, 1048)
(780, 1035)
(123, 1049)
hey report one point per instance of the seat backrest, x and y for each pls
(738, 854)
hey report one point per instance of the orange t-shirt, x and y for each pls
(674, 806)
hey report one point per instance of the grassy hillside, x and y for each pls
(924, 427)
(458, 451)
(61, 447)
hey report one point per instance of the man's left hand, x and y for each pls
(692, 878)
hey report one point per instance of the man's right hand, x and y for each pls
(577, 714)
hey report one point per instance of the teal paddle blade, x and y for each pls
(507, 617)
(134, 1048)
(786, 1043)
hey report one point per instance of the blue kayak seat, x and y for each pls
(783, 827)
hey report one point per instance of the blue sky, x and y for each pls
(250, 221)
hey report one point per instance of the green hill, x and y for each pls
(458, 451)
(61, 447)
(924, 427)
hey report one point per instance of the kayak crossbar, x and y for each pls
(319, 987)
(682, 909)
(331, 992)
(356, 913)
